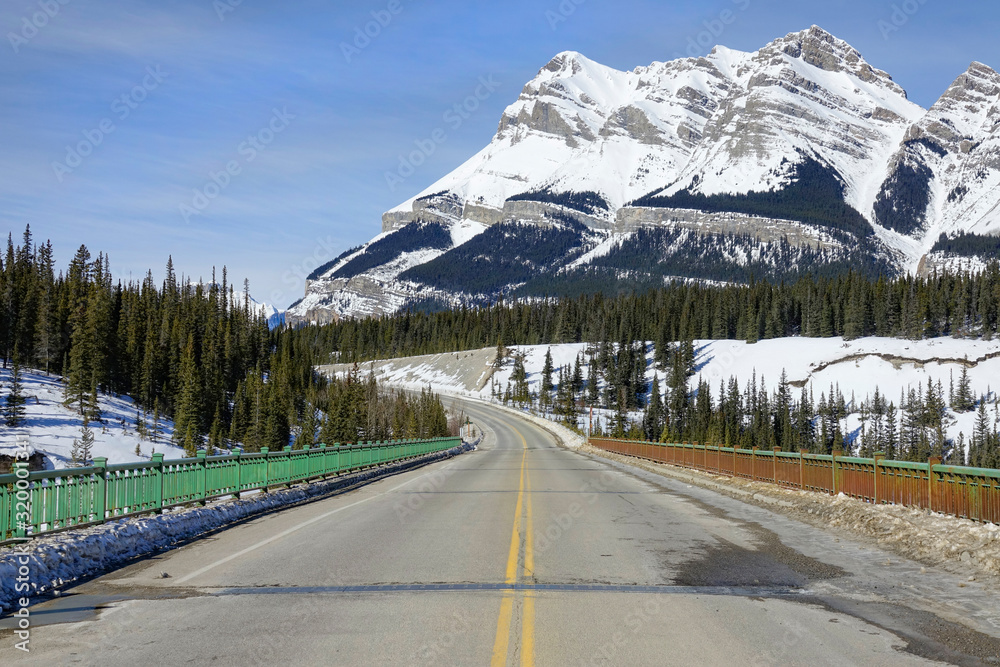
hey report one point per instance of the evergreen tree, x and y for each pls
(653, 422)
(14, 410)
(593, 392)
(547, 386)
(187, 417)
(964, 399)
(216, 434)
(980, 445)
(577, 379)
(307, 428)
(520, 378)
(83, 450)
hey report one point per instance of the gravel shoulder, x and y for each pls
(959, 546)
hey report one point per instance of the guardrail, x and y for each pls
(969, 493)
(40, 502)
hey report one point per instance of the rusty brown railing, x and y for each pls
(969, 493)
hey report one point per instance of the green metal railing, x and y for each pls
(969, 493)
(35, 503)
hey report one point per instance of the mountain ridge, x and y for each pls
(750, 148)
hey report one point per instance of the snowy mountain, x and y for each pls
(274, 316)
(800, 156)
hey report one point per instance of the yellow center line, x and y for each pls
(528, 613)
(502, 640)
(515, 537)
(500, 643)
(503, 631)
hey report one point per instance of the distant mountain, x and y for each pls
(798, 157)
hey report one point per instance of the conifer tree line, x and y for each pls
(851, 305)
(911, 427)
(616, 328)
(197, 353)
(684, 407)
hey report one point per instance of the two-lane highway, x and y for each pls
(520, 553)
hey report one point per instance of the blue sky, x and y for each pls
(164, 96)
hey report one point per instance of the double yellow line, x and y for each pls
(500, 644)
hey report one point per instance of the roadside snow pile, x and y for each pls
(957, 545)
(62, 558)
(925, 536)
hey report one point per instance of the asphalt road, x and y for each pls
(520, 553)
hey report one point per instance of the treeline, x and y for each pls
(178, 349)
(648, 254)
(968, 245)
(509, 253)
(910, 429)
(851, 305)
(750, 415)
(902, 203)
(414, 236)
(196, 353)
(588, 201)
(815, 196)
(358, 409)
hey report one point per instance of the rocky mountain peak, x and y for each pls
(962, 111)
(819, 48)
(979, 80)
(566, 63)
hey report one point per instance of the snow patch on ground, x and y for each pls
(51, 427)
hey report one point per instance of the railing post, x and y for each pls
(157, 460)
(878, 457)
(202, 477)
(21, 527)
(101, 493)
(239, 473)
(267, 467)
(774, 460)
(753, 464)
(835, 454)
(288, 457)
(802, 469)
(932, 484)
(735, 473)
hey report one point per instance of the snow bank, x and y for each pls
(62, 558)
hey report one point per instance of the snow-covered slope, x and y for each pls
(51, 427)
(708, 145)
(856, 368)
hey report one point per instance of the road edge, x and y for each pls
(72, 557)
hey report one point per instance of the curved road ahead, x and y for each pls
(519, 553)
